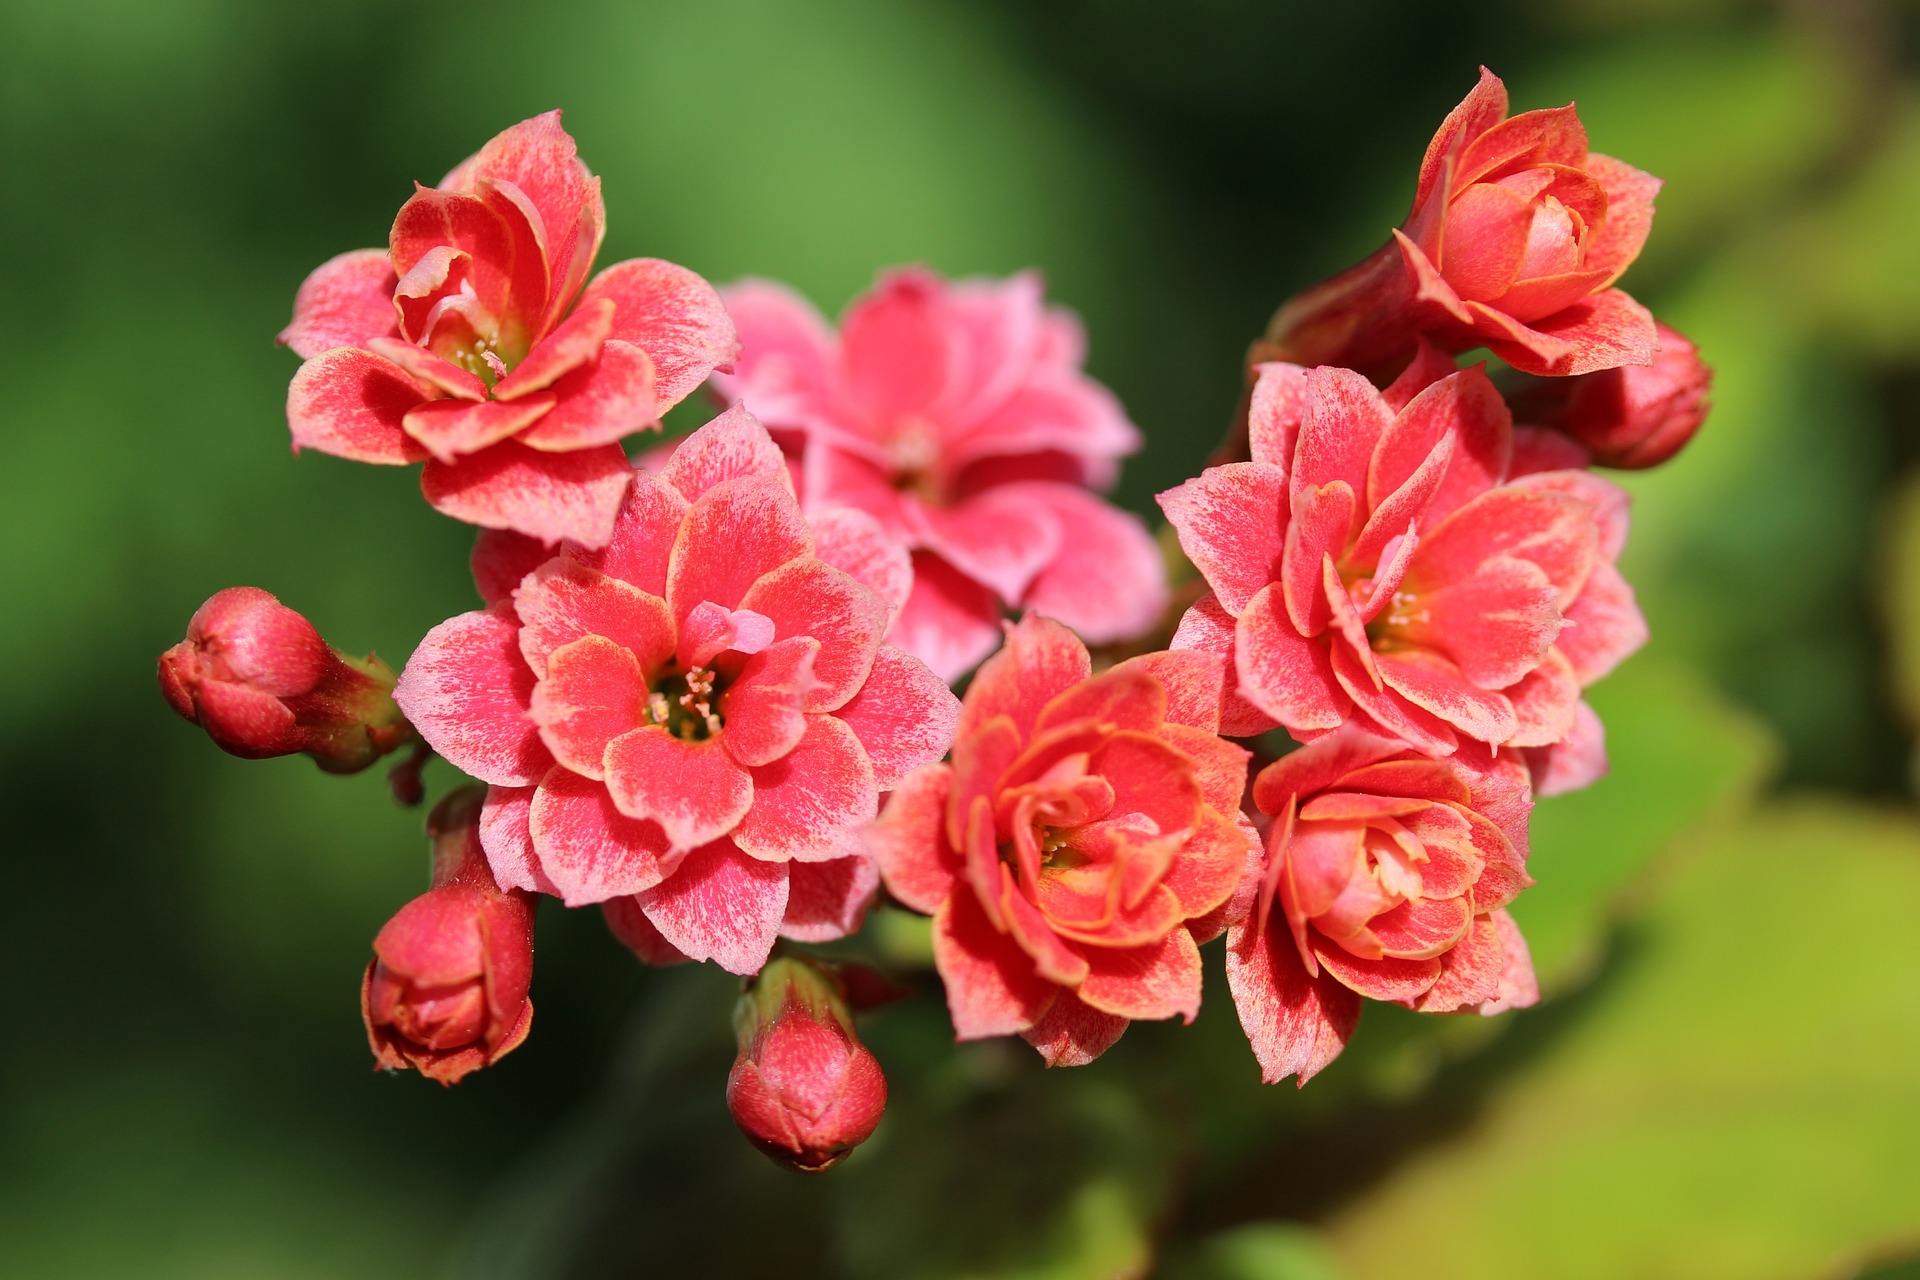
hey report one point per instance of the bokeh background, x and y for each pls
(1725, 1078)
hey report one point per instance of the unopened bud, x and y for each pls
(1632, 417)
(260, 680)
(447, 991)
(804, 1089)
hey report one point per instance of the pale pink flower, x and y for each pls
(700, 714)
(469, 343)
(957, 414)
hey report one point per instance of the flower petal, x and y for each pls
(563, 600)
(628, 923)
(694, 790)
(1387, 978)
(763, 712)
(1282, 673)
(950, 622)
(589, 851)
(593, 692)
(996, 537)
(344, 301)
(1107, 580)
(855, 543)
(805, 597)
(674, 316)
(351, 403)
(1156, 981)
(644, 530)
(721, 906)
(810, 804)
(1040, 659)
(909, 843)
(600, 402)
(549, 496)
(507, 839)
(466, 689)
(992, 989)
(1232, 523)
(828, 900)
(1296, 1024)
(738, 532)
(1073, 1033)
(904, 716)
(733, 446)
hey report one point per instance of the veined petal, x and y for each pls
(909, 840)
(351, 403)
(588, 850)
(721, 905)
(674, 316)
(810, 804)
(344, 302)
(694, 790)
(992, 989)
(904, 716)
(549, 496)
(466, 689)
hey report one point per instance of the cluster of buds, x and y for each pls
(710, 692)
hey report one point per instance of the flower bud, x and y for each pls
(260, 680)
(1633, 417)
(804, 1089)
(447, 992)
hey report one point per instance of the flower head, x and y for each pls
(803, 1088)
(446, 993)
(259, 679)
(688, 713)
(1387, 875)
(957, 414)
(470, 343)
(1378, 561)
(1086, 830)
(1516, 238)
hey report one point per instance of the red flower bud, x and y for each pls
(447, 993)
(804, 1089)
(1633, 417)
(259, 679)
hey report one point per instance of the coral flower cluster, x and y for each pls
(710, 693)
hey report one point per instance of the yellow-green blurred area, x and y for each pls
(1724, 1080)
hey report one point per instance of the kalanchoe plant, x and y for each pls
(709, 693)
(803, 1088)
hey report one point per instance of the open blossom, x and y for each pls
(446, 993)
(258, 677)
(1086, 830)
(1378, 561)
(1516, 237)
(470, 343)
(1387, 876)
(957, 414)
(1632, 418)
(700, 714)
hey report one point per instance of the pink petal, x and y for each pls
(896, 353)
(1469, 972)
(721, 906)
(627, 922)
(828, 900)
(1121, 698)
(1274, 413)
(593, 692)
(694, 790)
(1208, 628)
(908, 844)
(1467, 405)
(1040, 660)
(1518, 988)
(1388, 711)
(1062, 412)
(481, 249)
(711, 630)
(589, 851)
(763, 712)
(549, 496)
(1604, 625)
(429, 369)
(1545, 702)
(1486, 239)
(1553, 530)
(786, 352)
(810, 803)
(1194, 682)
(351, 403)
(1616, 242)
(1482, 109)
(904, 716)
(739, 532)
(644, 530)
(501, 559)
(1295, 1023)
(996, 537)
(574, 342)
(1344, 421)
(1610, 504)
(1319, 765)
(992, 989)
(1156, 981)
(1387, 978)
(1218, 765)
(674, 316)
(563, 600)
(839, 477)
(1210, 864)
(452, 428)
(466, 689)
(807, 598)
(1496, 625)
(1430, 364)
(732, 446)
(1538, 449)
(950, 622)
(855, 543)
(1107, 580)
(1232, 523)
(1579, 760)
(1282, 673)
(506, 838)
(598, 403)
(344, 302)
(1604, 331)
(1073, 1033)
(1322, 522)
(1422, 929)
(1437, 686)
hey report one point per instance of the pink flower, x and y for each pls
(957, 415)
(1631, 418)
(1517, 235)
(700, 714)
(803, 1089)
(447, 991)
(1391, 873)
(1086, 831)
(259, 679)
(470, 343)
(1378, 561)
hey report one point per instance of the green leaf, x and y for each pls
(1263, 1251)
(1737, 1098)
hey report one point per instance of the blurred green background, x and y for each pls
(1725, 1080)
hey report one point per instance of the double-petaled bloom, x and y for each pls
(1516, 238)
(1084, 839)
(1378, 562)
(957, 414)
(446, 993)
(1387, 876)
(470, 343)
(699, 715)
